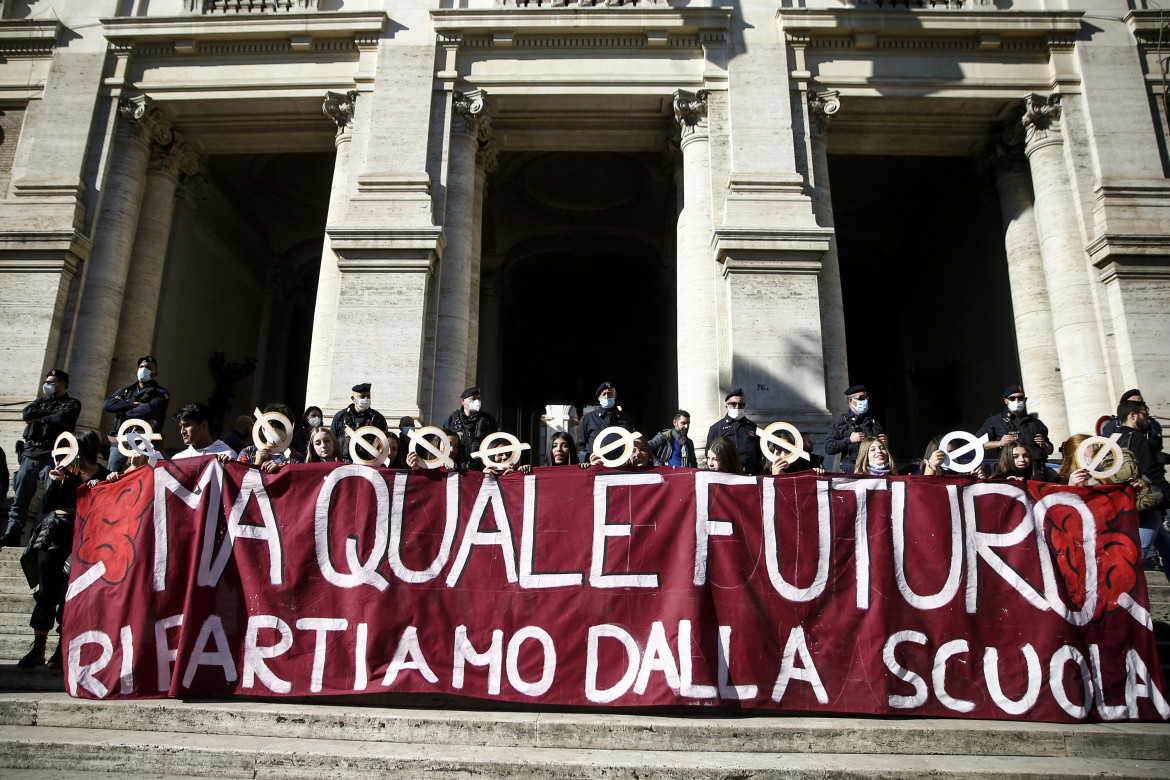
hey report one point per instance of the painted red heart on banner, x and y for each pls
(112, 521)
(1117, 553)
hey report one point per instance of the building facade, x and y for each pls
(281, 198)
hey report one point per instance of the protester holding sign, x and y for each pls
(358, 414)
(1018, 463)
(266, 455)
(935, 459)
(606, 415)
(144, 399)
(852, 428)
(45, 560)
(45, 419)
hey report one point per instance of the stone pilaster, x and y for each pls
(697, 275)
(822, 106)
(192, 190)
(140, 125)
(140, 301)
(319, 389)
(486, 161)
(468, 122)
(1066, 266)
(1039, 364)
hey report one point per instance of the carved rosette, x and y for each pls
(1041, 120)
(690, 111)
(142, 121)
(340, 107)
(822, 106)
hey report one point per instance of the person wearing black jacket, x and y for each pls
(1014, 423)
(45, 419)
(850, 429)
(357, 415)
(673, 447)
(472, 426)
(144, 400)
(736, 426)
(1153, 434)
(606, 415)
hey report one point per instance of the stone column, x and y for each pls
(821, 107)
(319, 387)
(192, 191)
(697, 287)
(491, 368)
(140, 301)
(1039, 364)
(1066, 266)
(459, 226)
(96, 328)
(485, 162)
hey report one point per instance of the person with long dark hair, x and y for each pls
(46, 558)
(723, 455)
(561, 450)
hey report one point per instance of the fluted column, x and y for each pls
(319, 388)
(1039, 364)
(148, 257)
(697, 290)
(95, 333)
(451, 346)
(821, 107)
(1066, 266)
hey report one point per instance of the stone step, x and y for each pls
(702, 731)
(126, 752)
(14, 585)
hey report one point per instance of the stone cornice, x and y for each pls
(192, 29)
(386, 250)
(985, 30)
(655, 26)
(1146, 25)
(22, 38)
(770, 250)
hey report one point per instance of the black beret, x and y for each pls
(148, 359)
(601, 388)
(364, 387)
(1013, 389)
(57, 373)
(733, 394)
(1125, 397)
(855, 389)
(470, 392)
(196, 411)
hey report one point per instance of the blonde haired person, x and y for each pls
(323, 446)
(873, 458)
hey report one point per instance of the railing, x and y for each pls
(251, 6)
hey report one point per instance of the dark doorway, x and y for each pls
(928, 312)
(580, 248)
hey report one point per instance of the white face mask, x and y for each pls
(144, 374)
(474, 406)
(362, 404)
(49, 388)
(1015, 406)
(735, 414)
(314, 421)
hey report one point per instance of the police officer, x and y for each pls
(605, 415)
(472, 426)
(144, 400)
(1014, 424)
(736, 426)
(850, 429)
(358, 414)
(45, 419)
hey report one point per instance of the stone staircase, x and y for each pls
(46, 734)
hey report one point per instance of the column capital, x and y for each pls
(194, 187)
(340, 107)
(179, 158)
(487, 156)
(143, 122)
(1041, 120)
(822, 106)
(690, 111)
(470, 117)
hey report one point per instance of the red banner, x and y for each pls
(904, 595)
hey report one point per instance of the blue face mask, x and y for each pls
(406, 431)
(607, 403)
(863, 406)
